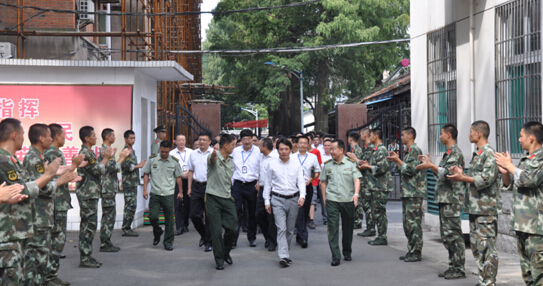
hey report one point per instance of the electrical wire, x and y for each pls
(253, 9)
(30, 18)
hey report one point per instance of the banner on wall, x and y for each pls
(72, 106)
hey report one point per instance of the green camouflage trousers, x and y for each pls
(130, 204)
(367, 206)
(37, 252)
(359, 211)
(11, 263)
(380, 213)
(412, 224)
(530, 250)
(58, 240)
(451, 234)
(482, 238)
(108, 220)
(87, 228)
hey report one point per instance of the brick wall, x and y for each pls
(49, 20)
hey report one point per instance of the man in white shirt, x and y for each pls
(182, 207)
(311, 169)
(285, 177)
(197, 181)
(265, 220)
(246, 171)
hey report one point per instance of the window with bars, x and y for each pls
(441, 84)
(518, 71)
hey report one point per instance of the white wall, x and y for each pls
(143, 86)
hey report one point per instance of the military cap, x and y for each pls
(160, 128)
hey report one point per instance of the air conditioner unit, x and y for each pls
(86, 6)
(8, 51)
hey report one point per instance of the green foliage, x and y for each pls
(352, 71)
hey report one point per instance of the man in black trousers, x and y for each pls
(266, 220)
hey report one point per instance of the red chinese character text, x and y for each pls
(69, 152)
(97, 151)
(68, 133)
(22, 153)
(6, 107)
(29, 107)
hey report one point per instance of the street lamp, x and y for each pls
(300, 77)
(253, 112)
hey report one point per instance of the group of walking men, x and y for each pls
(273, 178)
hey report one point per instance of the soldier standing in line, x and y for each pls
(160, 136)
(88, 192)
(165, 171)
(366, 198)
(413, 191)
(38, 247)
(131, 180)
(378, 184)
(340, 185)
(16, 220)
(483, 202)
(110, 187)
(62, 202)
(450, 196)
(356, 154)
(526, 183)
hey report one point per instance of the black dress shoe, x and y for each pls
(63, 256)
(219, 267)
(272, 247)
(186, 229)
(266, 244)
(252, 243)
(179, 231)
(234, 245)
(202, 241)
(348, 258)
(335, 262)
(304, 244)
(169, 247)
(208, 248)
(228, 260)
(157, 238)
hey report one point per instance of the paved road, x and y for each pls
(141, 263)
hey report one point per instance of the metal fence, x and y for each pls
(441, 84)
(518, 71)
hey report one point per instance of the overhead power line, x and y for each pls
(253, 9)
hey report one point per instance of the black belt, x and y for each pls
(243, 183)
(199, 184)
(285, 197)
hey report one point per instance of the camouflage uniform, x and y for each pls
(38, 248)
(450, 196)
(359, 211)
(155, 146)
(413, 191)
(63, 203)
(88, 192)
(378, 183)
(366, 198)
(110, 186)
(16, 221)
(131, 180)
(482, 204)
(526, 218)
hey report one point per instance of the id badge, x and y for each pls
(184, 168)
(244, 169)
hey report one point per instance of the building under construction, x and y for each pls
(101, 30)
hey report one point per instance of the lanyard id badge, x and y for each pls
(184, 168)
(244, 169)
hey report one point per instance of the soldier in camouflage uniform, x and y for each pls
(17, 219)
(160, 136)
(131, 180)
(378, 184)
(413, 191)
(88, 192)
(450, 196)
(366, 199)
(356, 155)
(483, 203)
(38, 247)
(110, 186)
(62, 201)
(526, 182)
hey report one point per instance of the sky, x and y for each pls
(208, 5)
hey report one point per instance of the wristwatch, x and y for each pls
(357, 195)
